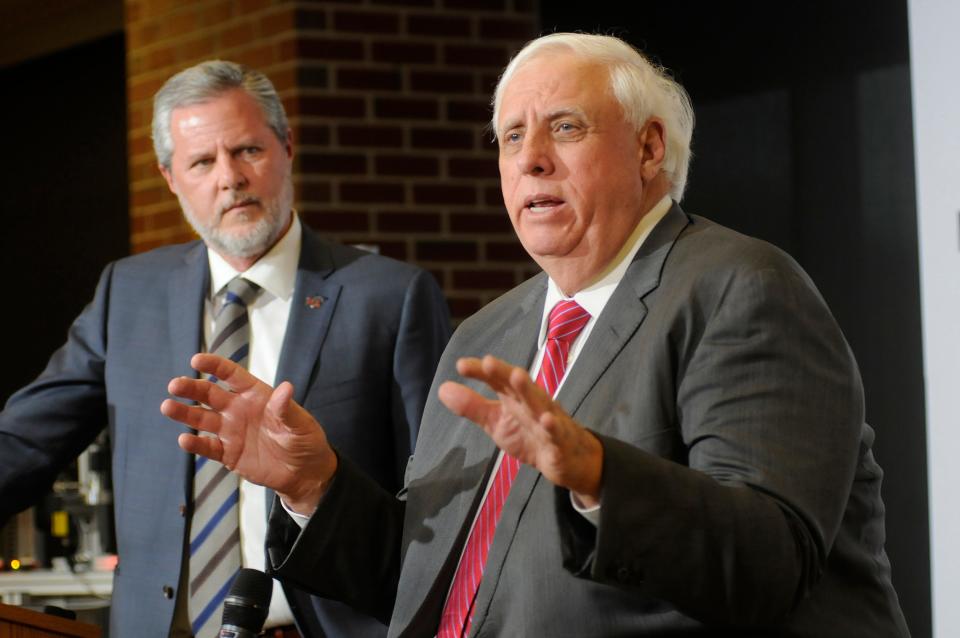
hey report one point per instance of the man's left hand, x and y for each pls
(528, 425)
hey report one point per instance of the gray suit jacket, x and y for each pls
(740, 496)
(361, 362)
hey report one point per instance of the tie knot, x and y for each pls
(240, 291)
(566, 321)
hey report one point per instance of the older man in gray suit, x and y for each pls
(671, 436)
(359, 334)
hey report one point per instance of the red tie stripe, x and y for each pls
(566, 321)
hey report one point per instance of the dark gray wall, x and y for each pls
(64, 204)
(804, 138)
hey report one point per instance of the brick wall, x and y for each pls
(388, 101)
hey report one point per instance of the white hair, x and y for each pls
(204, 82)
(643, 89)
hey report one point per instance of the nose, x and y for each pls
(231, 175)
(536, 154)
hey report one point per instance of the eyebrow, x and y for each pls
(556, 114)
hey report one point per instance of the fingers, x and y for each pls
(496, 373)
(207, 446)
(194, 416)
(236, 377)
(200, 390)
(467, 403)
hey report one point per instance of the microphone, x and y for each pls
(246, 605)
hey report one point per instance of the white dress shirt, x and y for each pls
(276, 274)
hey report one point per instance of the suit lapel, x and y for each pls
(624, 312)
(617, 324)
(452, 466)
(188, 285)
(187, 290)
(311, 311)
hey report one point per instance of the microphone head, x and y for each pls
(248, 600)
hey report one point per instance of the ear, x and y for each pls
(288, 146)
(652, 145)
(167, 175)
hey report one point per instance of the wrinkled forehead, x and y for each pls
(552, 80)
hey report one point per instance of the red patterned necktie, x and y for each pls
(566, 321)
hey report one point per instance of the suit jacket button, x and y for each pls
(623, 574)
(168, 592)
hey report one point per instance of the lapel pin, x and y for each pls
(314, 302)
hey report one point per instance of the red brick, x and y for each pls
(370, 136)
(444, 26)
(256, 57)
(197, 49)
(474, 55)
(404, 3)
(314, 192)
(470, 167)
(144, 89)
(506, 29)
(506, 251)
(249, 6)
(457, 251)
(237, 35)
(313, 135)
(139, 144)
(333, 163)
(441, 81)
(493, 196)
(215, 14)
(369, 79)
(280, 22)
(444, 194)
(441, 138)
(404, 52)
(405, 222)
(480, 223)
(406, 108)
(311, 77)
(147, 196)
(478, 111)
(484, 279)
(366, 22)
(371, 192)
(337, 220)
(332, 106)
(321, 48)
(309, 18)
(483, 5)
(463, 307)
(410, 165)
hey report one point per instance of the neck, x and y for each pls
(242, 264)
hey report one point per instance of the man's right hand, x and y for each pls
(259, 432)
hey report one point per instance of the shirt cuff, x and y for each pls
(592, 514)
(302, 520)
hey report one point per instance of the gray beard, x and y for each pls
(256, 241)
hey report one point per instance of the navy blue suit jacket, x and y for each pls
(361, 360)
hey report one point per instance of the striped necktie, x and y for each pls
(566, 321)
(215, 525)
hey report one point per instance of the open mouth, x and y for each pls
(542, 203)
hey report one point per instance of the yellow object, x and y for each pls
(60, 524)
(15, 564)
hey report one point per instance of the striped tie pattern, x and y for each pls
(215, 526)
(566, 321)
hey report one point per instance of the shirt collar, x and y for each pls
(275, 272)
(594, 297)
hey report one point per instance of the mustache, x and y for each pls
(237, 199)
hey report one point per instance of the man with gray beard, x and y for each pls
(261, 289)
